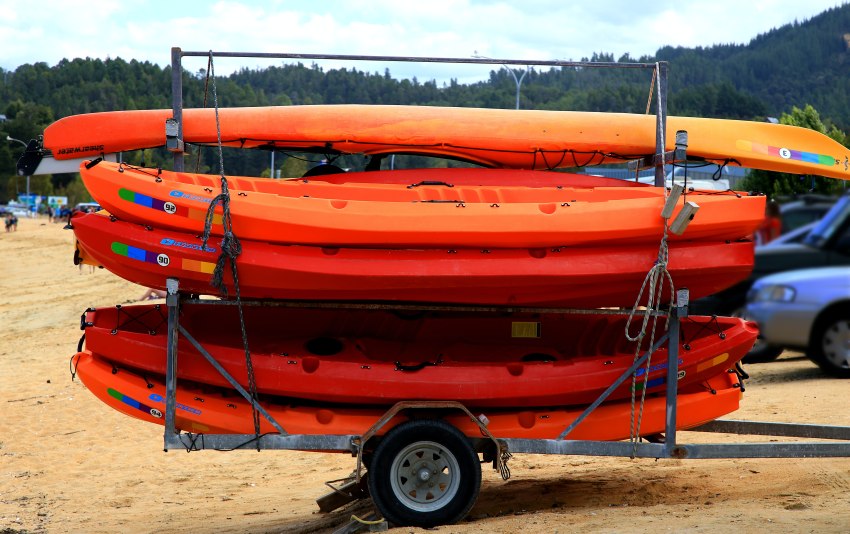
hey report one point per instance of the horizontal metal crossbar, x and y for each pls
(415, 59)
(317, 442)
(702, 451)
(762, 428)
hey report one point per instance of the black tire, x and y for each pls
(424, 473)
(829, 344)
(762, 353)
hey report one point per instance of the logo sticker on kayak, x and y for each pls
(155, 397)
(169, 207)
(182, 244)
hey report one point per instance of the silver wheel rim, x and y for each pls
(425, 476)
(836, 343)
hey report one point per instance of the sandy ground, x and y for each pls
(70, 464)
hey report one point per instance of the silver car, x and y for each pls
(808, 310)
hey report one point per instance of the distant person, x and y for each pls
(11, 222)
(771, 227)
(50, 214)
(152, 294)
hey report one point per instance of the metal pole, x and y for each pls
(172, 300)
(518, 81)
(177, 101)
(661, 126)
(672, 379)
(10, 138)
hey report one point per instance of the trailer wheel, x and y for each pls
(424, 473)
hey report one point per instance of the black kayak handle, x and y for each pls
(429, 182)
(419, 366)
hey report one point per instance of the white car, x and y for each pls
(808, 310)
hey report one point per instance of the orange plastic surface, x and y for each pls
(390, 216)
(214, 410)
(357, 356)
(586, 276)
(529, 139)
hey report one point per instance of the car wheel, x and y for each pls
(830, 344)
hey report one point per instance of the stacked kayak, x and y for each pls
(431, 239)
(575, 276)
(362, 356)
(400, 216)
(204, 409)
(521, 139)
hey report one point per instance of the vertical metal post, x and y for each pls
(661, 122)
(679, 310)
(177, 101)
(172, 300)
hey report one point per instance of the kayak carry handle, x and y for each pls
(430, 182)
(419, 366)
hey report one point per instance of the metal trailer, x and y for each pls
(443, 451)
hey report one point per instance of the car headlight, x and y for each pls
(773, 293)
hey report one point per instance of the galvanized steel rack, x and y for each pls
(355, 444)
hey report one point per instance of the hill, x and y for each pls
(799, 64)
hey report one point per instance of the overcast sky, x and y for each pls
(50, 30)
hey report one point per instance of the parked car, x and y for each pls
(808, 310)
(86, 207)
(804, 210)
(827, 244)
(797, 235)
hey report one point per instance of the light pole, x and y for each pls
(518, 81)
(10, 138)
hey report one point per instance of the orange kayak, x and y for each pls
(390, 215)
(586, 276)
(528, 139)
(206, 409)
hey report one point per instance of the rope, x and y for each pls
(356, 519)
(230, 250)
(655, 279)
(651, 88)
(206, 92)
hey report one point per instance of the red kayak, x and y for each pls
(580, 276)
(362, 356)
(205, 409)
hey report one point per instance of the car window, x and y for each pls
(830, 223)
(799, 217)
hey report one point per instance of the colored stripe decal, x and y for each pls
(146, 201)
(717, 360)
(784, 153)
(651, 383)
(129, 401)
(198, 266)
(138, 254)
(134, 253)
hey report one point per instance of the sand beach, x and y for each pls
(68, 463)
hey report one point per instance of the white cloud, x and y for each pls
(49, 30)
